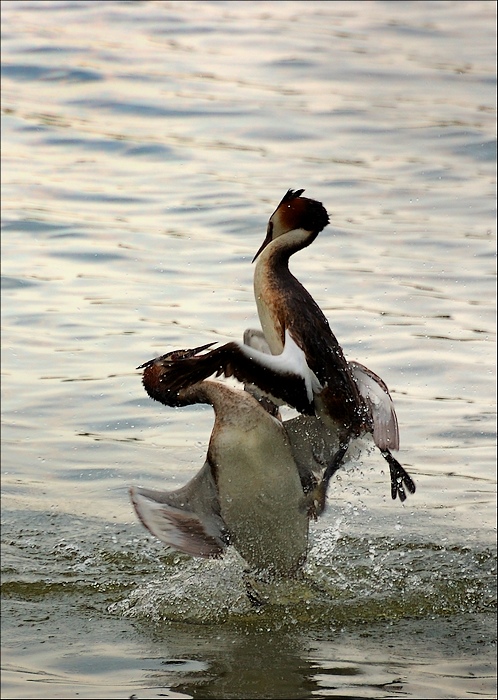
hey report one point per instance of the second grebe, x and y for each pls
(249, 492)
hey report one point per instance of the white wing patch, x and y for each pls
(292, 360)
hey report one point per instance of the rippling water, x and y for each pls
(145, 145)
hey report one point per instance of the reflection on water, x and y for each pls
(144, 147)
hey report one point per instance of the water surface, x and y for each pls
(144, 147)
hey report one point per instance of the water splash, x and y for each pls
(346, 580)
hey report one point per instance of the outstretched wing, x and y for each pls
(285, 377)
(187, 519)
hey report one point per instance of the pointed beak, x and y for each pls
(176, 355)
(263, 245)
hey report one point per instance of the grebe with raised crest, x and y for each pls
(306, 367)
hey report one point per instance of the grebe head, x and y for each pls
(295, 212)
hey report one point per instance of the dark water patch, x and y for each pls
(23, 71)
(109, 145)
(274, 134)
(90, 196)
(28, 72)
(86, 257)
(36, 226)
(153, 151)
(48, 49)
(15, 283)
(478, 150)
(292, 64)
(150, 110)
(98, 437)
(73, 235)
(176, 26)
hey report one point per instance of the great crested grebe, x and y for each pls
(306, 368)
(249, 491)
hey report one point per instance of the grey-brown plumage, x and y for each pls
(249, 493)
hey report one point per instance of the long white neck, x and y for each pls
(271, 277)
